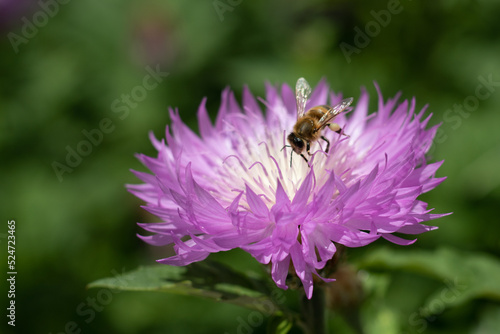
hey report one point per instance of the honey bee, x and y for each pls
(310, 124)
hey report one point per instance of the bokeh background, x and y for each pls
(64, 64)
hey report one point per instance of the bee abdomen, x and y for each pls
(318, 111)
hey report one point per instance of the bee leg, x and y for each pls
(336, 128)
(327, 143)
(307, 162)
(308, 148)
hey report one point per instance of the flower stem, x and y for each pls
(313, 320)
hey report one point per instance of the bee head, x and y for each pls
(296, 143)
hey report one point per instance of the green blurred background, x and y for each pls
(61, 76)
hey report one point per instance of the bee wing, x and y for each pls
(334, 111)
(302, 93)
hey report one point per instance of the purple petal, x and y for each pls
(397, 240)
(257, 206)
(204, 123)
(304, 191)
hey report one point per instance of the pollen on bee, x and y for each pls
(334, 127)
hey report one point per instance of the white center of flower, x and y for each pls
(261, 159)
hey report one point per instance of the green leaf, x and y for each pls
(279, 325)
(204, 279)
(466, 275)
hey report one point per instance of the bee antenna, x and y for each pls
(284, 147)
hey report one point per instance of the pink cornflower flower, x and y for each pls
(233, 186)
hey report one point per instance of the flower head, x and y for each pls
(233, 186)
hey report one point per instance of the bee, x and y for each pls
(310, 124)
